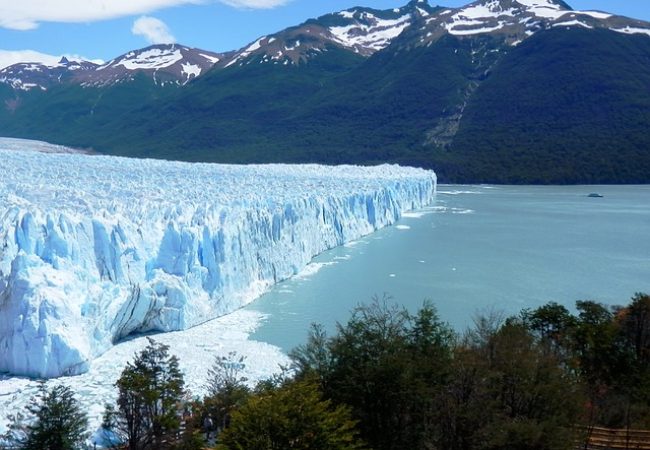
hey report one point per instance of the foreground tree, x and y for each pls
(226, 391)
(291, 416)
(150, 394)
(388, 366)
(54, 421)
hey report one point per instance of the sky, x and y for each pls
(104, 29)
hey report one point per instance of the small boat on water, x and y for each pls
(595, 195)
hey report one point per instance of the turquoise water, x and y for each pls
(478, 248)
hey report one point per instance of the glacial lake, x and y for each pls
(477, 248)
(474, 248)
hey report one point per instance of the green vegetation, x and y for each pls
(150, 390)
(53, 421)
(565, 106)
(389, 379)
(290, 415)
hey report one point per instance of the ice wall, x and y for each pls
(94, 248)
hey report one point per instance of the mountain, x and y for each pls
(363, 31)
(503, 91)
(26, 76)
(164, 64)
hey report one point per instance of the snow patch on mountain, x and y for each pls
(471, 31)
(594, 14)
(481, 11)
(94, 248)
(632, 30)
(250, 49)
(155, 58)
(212, 59)
(191, 70)
(375, 33)
(572, 23)
(543, 8)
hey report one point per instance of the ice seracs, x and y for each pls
(94, 248)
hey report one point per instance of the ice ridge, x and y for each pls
(96, 248)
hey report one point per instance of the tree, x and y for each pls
(313, 359)
(387, 365)
(226, 389)
(150, 392)
(54, 421)
(635, 326)
(291, 416)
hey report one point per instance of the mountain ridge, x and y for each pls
(422, 97)
(363, 30)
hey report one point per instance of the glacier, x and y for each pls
(94, 249)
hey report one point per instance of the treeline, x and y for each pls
(387, 379)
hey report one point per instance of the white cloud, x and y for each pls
(254, 4)
(10, 57)
(155, 31)
(27, 14)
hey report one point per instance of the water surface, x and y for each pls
(478, 247)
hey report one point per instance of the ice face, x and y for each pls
(95, 248)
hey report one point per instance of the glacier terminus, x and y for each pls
(94, 249)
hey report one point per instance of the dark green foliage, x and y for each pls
(565, 106)
(388, 366)
(150, 391)
(635, 326)
(606, 348)
(226, 391)
(54, 421)
(291, 416)
(506, 391)
(524, 383)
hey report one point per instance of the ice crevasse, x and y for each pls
(96, 248)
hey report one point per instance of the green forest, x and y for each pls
(387, 379)
(567, 106)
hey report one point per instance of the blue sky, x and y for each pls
(217, 25)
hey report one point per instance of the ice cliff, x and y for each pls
(95, 248)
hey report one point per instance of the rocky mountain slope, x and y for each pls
(497, 91)
(164, 64)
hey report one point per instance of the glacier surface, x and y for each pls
(94, 249)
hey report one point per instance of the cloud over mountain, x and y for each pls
(254, 4)
(10, 57)
(27, 14)
(155, 31)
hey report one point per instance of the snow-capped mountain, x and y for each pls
(363, 31)
(516, 20)
(26, 76)
(164, 64)
(531, 85)
(366, 31)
